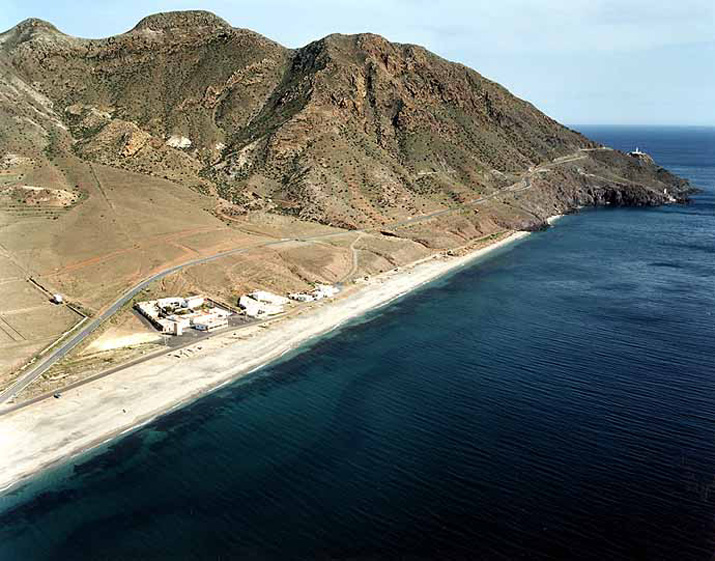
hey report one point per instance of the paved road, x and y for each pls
(181, 343)
(63, 349)
(46, 362)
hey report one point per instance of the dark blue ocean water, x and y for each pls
(554, 402)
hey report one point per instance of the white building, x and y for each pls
(210, 323)
(173, 315)
(148, 309)
(171, 302)
(253, 308)
(301, 297)
(216, 313)
(268, 297)
(193, 302)
(183, 321)
(57, 298)
(324, 291)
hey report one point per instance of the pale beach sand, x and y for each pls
(55, 430)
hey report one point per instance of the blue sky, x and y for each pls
(580, 61)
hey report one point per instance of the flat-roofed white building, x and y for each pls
(174, 314)
(251, 307)
(301, 297)
(171, 302)
(210, 323)
(268, 297)
(325, 291)
(219, 312)
(147, 308)
(254, 308)
(183, 321)
(193, 302)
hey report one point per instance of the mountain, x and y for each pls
(352, 130)
(111, 149)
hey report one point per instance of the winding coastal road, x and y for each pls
(64, 348)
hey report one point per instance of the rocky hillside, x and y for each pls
(351, 131)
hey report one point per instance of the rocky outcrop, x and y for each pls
(641, 156)
(191, 20)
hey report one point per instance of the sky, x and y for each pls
(580, 61)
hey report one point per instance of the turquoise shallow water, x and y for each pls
(554, 402)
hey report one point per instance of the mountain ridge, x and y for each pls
(351, 130)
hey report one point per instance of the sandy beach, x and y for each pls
(54, 430)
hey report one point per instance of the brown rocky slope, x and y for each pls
(352, 131)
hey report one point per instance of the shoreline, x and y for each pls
(52, 432)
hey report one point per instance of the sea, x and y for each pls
(555, 401)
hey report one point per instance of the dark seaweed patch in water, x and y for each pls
(702, 247)
(693, 268)
(121, 451)
(42, 504)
